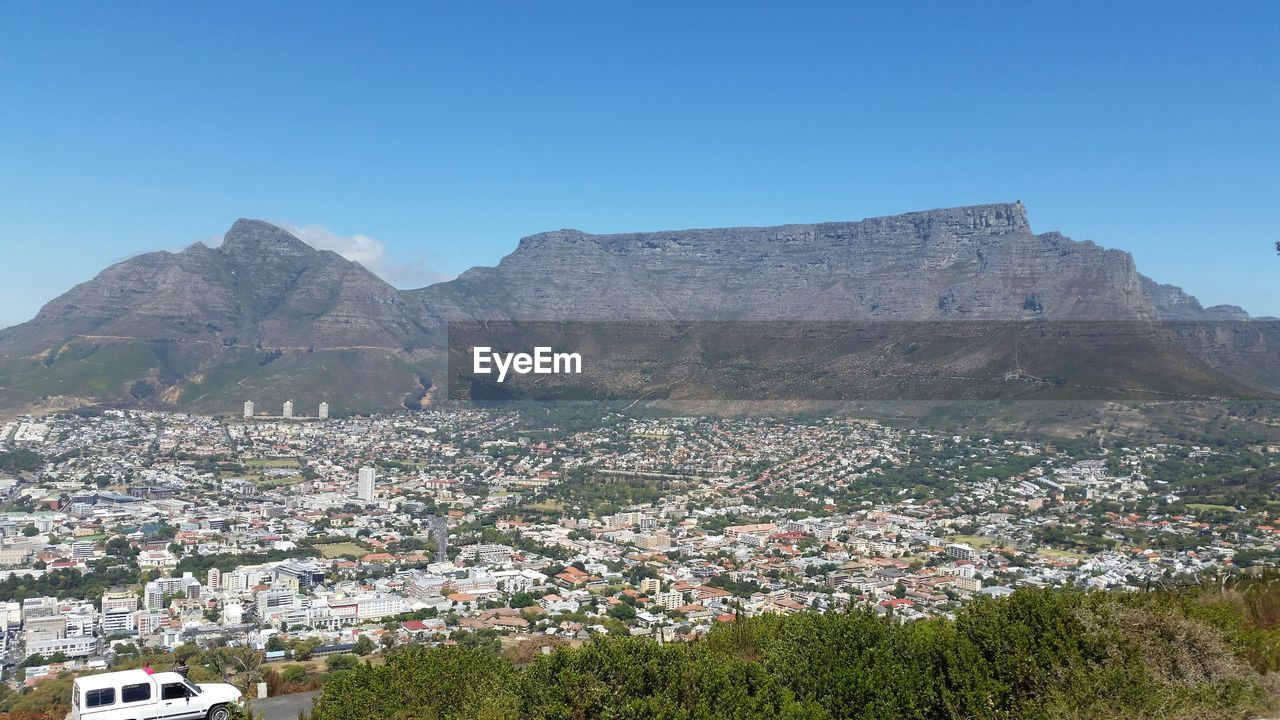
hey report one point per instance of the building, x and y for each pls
(153, 596)
(288, 409)
(298, 574)
(214, 579)
(77, 647)
(15, 555)
(486, 554)
(119, 599)
(82, 550)
(274, 602)
(734, 533)
(323, 413)
(374, 607)
(116, 621)
(669, 600)
(148, 622)
(49, 627)
(365, 483)
(38, 607)
(248, 408)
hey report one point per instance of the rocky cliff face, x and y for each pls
(981, 263)
(264, 316)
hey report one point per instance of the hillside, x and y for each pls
(263, 316)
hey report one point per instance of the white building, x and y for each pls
(71, 647)
(669, 600)
(373, 607)
(248, 408)
(274, 602)
(323, 413)
(365, 483)
(118, 620)
(288, 409)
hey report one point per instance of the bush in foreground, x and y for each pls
(1037, 654)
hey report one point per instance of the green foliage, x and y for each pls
(199, 565)
(341, 662)
(364, 645)
(1037, 654)
(66, 582)
(20, 460)
(49, 695)
(741, 588)
(442, 684)
(622, 611)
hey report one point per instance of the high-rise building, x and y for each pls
(324, 411)
(288, 409)
(248, 408)
(153, 596)
(365, 483)
(214, 579)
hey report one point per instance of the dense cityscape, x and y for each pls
(128, 532)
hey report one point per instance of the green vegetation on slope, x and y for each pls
(1037, 654)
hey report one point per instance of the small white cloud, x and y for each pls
(372, 254)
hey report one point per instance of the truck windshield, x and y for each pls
(195, 689)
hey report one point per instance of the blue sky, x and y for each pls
(435, 135)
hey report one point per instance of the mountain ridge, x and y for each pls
(263, 312)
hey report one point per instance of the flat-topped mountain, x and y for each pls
(980, 262)
(264, 316)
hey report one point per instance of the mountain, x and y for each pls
(264, 316)
(978, 262)
(261, 315)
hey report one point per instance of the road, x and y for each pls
(284, 707)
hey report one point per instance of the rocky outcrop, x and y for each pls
(1174, 304)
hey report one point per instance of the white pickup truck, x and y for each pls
(139, 695)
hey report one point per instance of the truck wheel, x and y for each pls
(219, 712)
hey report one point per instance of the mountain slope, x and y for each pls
(263, 316)
(263, 312)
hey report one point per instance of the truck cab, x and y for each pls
(140, 695)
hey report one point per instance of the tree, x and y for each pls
(364, 645)
(304, 649)
(243, 661)
(622, 611)
(343, 661)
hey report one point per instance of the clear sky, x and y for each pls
(425, 138)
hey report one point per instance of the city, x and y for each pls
(306, 537)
